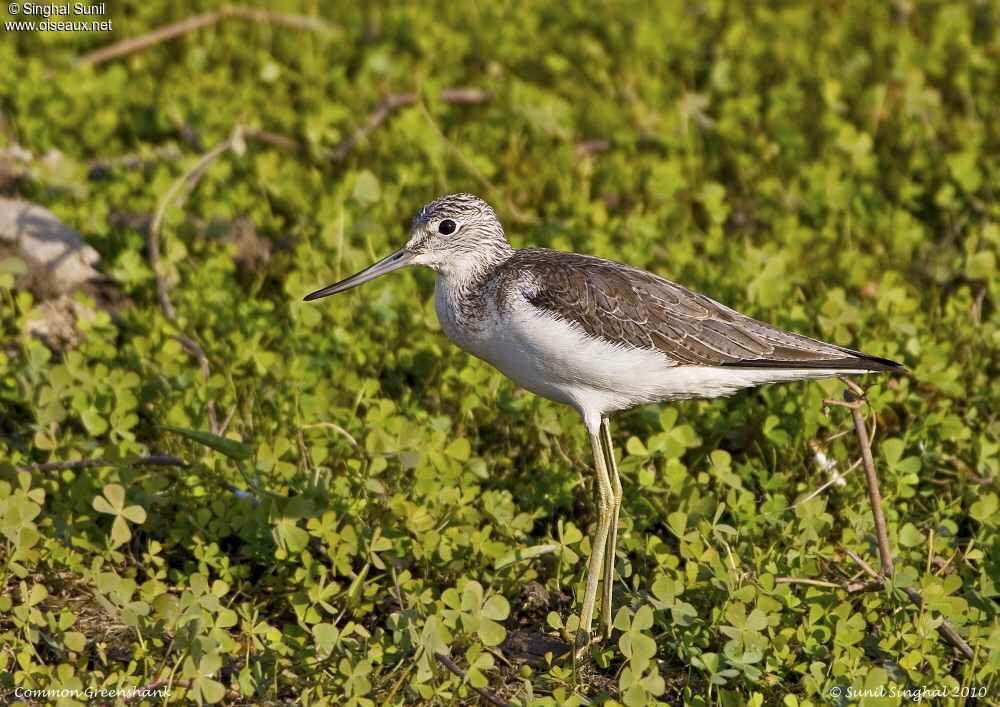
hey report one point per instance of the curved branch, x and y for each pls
(482, 692)
(393, 102)
(151, 460)
(189, 179)
(190, 24)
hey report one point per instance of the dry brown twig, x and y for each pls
(871, 479)
(97, 169)
(276, 139)
(808, 582)
(396, 101)
(854, 400)
(482, 692)
(151, 460)
(190, 24)
(514, 213)
(393, 102)
(335, 427)
(592, 147)
(182, 185)
(187, 181)
(946, 630)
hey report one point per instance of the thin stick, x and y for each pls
(863, 587)
(190, 24)
(188, 179)
(335, 427)
(484, 693)
(841, 403)
(823, 487)
(849, 587)
(276, 139)
(151, 460)
(514, 213)
(194, 348)
(592, 147)
(98, 169)
(810, 582)
(393, 102)
(871, 478)
(387, 107)
(854, 398)
(944, 628)
(862, 564)
(225, 423)
(854, 387)
(465, 95)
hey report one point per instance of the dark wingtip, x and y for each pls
(846, 364)
(855, 360)
(886, 364)
(873, 363)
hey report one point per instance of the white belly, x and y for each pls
(557, 360)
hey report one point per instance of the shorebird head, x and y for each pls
(455, 235)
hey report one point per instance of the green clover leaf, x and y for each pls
(113, 503)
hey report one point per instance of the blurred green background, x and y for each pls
(372, 495)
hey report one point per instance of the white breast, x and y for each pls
(557, 360)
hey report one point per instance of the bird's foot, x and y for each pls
(606, 633)
(582, 644)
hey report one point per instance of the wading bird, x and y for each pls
(594, 334)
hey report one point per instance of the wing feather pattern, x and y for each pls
(627, 306)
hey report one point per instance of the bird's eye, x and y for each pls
(446, 227)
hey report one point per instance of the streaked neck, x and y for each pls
(464, 271)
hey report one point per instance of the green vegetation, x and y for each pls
(380, 496)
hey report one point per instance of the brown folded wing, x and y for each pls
(631, 307)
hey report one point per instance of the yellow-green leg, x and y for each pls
(609, 550)
(605, 494)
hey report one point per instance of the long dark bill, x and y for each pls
(401, 258)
